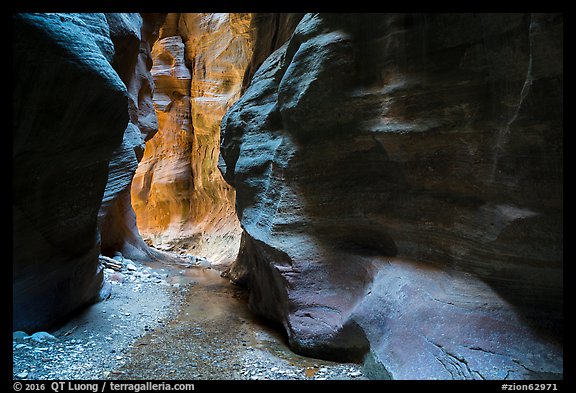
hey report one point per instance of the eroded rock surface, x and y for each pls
(72, 167)
(399, 183)
(200, 63)
(132, 35)
(70, 113)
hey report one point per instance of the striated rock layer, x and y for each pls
(200, 64)
(132, 35)
(70, 112)
(399, 183)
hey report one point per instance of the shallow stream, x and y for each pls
(216, 336)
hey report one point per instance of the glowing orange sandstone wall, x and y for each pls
(180, 199)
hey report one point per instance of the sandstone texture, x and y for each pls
(181, 201)
(69, 115)
(269, 31)
(132, 35)
(399, 184)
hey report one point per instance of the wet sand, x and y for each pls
(216, 336)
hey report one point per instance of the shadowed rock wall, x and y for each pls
(399, 183)
(75, 122)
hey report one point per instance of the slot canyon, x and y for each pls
(288, 196)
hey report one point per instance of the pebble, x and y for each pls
(204, 263)
(116, 277)
(256, 363)
(43, 336)
(105, 291)
(19, 335)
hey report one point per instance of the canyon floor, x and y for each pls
(169, 322)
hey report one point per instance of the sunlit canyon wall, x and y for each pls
(200, 64)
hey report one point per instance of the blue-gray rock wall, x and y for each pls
(399, 183)
(71, 108)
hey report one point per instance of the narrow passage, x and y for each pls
(165, 321)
